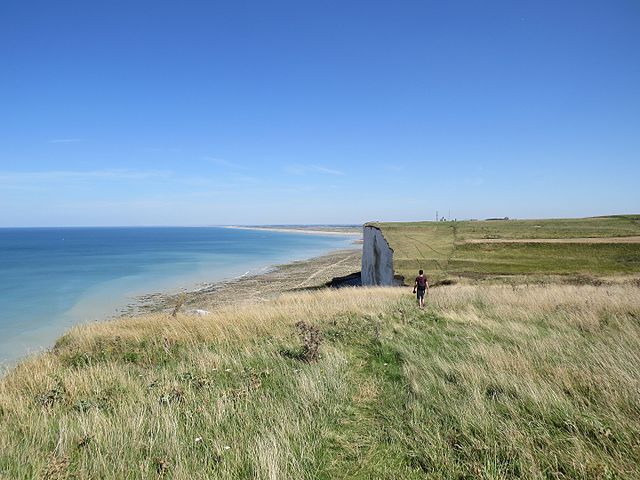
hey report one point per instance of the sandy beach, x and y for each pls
(255, 288)
(264, 285)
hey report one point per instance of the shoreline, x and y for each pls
(34, 339)
(264, 284)
(251, 287)
(278, 278)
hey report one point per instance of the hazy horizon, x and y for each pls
(346, 224)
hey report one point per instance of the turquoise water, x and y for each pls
(53, 278)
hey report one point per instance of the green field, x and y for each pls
(448, 250)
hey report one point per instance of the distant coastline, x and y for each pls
(309, 230)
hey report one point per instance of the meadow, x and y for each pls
(454, 250)
(491, 381)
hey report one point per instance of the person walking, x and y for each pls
(421, 286)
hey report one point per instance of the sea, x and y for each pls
(54, 278)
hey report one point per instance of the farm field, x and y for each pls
(598, 246)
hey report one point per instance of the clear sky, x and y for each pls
(246, 112)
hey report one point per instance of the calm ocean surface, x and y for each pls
(53, 278)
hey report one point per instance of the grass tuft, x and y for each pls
(311, 339)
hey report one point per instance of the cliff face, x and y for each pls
(377, 258)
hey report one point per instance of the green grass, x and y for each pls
(424, 245)
(612, 226)
(490, 381)
(559, 258)
(444, 251)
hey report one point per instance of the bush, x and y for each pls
(311, 339)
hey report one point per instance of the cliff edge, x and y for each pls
(377, 259)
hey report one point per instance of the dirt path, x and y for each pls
(634, 239)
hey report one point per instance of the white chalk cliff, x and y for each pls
(377, 258)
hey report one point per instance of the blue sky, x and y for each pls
(192, 113)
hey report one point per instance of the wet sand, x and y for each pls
(301, 275)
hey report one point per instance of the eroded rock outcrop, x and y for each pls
(377, 259)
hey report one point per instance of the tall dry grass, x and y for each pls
(489, 381)
(188, 397)
(533, 382)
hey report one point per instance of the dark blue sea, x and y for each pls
(53, 278)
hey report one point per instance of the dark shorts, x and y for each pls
(420, 292)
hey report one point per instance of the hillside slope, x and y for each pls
(490, 381)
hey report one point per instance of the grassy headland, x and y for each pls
(525, 379)
(490, 381)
